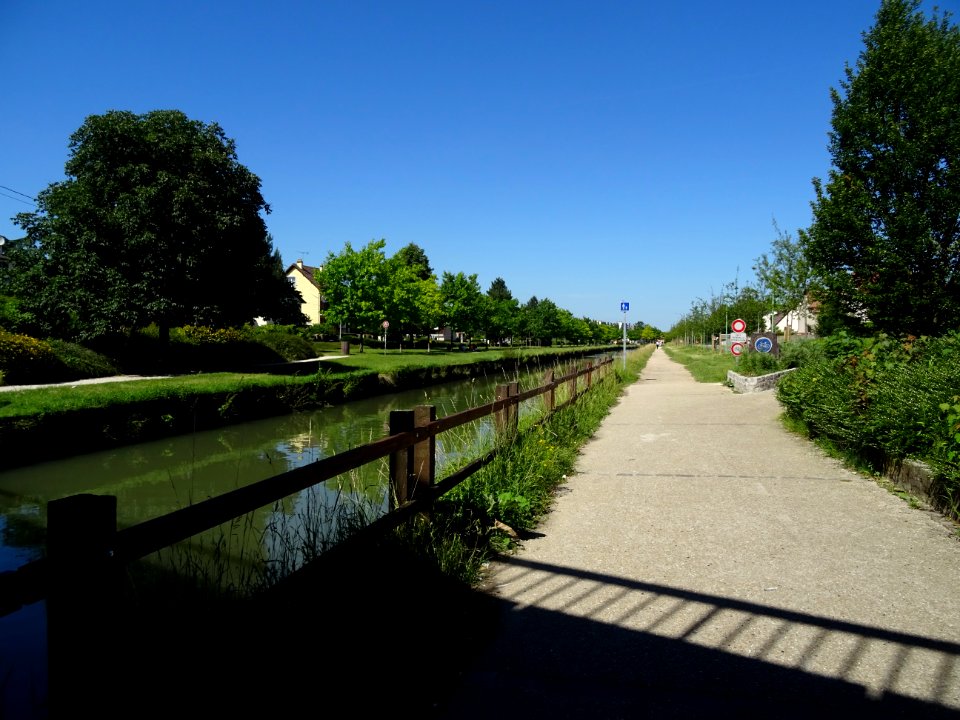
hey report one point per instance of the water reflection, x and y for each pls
(152, 479)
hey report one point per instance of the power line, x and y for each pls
(15, 198)
(18, 193)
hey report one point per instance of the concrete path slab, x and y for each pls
(702, 561)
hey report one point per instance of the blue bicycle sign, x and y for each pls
(763, 344)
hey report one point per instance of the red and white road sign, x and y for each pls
(738, 326)
(736, 348)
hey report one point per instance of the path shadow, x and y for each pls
(548, 664)
(379, 631)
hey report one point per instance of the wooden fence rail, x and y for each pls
(82, 532)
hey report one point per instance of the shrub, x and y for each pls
(757, 363)
(821, 397)
(80, 362)
(24, 359)
(285, 342)
(796, 353)
(884, 399)
(200, 335)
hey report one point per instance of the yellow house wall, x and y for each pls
(310, 294)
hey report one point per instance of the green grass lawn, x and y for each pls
(72, 397)
(704, 364)
(373, 358)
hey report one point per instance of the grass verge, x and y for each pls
(91, 417)
(704, 364)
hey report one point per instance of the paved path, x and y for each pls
(703, 562)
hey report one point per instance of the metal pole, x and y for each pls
(624, 339)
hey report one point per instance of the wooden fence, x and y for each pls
(85, 549)
(81, 575)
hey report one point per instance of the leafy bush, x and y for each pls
(13, 318)
(200, 335)
(883, 398)
(80, 362)
(285, 342)
(757, 363)
(823, 400)
(26, 360)
(797, 353)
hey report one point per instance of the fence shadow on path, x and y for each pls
(692, 655)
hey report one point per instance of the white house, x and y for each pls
(802, 320)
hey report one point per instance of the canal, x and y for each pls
(155, 478)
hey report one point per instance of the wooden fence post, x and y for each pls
(551, 394)
(82, 602)
(414, 467)
(401, 461)
(589, 374)
(424, 470)
(506, 421)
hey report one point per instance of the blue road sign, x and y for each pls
(763, 344)
(624, 307)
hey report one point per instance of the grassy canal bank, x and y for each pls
(60, 421)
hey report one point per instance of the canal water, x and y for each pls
(155, 478)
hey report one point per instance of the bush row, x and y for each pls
(26, 360)
(883, 399)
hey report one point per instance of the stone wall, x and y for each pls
(745, 384)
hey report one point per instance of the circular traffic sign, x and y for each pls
(763, 344)
(386, 324)
(736, 348)
(738, 325)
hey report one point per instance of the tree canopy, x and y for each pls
(784, 273)
(157, 222)
(885, 240)
(415, 257)
(355, 285)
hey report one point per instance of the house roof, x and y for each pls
(308, 271)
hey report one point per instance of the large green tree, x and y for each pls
(157, 222)
(356, 287)
(541, 321)
(885, 240)
(502, 313)
(464, 308)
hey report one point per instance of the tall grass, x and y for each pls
(485, 514)
(492, 510)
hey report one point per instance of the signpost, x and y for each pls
(624, 307)
(738, 337)
(386, 324)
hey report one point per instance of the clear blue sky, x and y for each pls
(587, 151)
